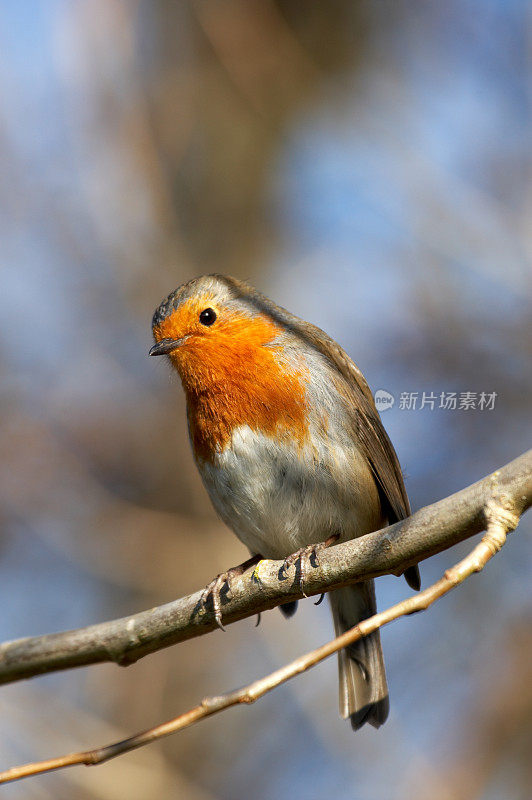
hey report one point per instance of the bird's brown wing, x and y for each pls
(369, 429)
(370, 432)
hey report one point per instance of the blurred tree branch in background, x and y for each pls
(501, 514)
(430, 530)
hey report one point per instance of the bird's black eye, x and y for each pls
(207, 316)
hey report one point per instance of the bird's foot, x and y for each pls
(214, 589)
(306, 556)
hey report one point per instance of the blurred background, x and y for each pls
(368, 166)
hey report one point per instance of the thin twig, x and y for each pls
(499, 520)
(430, 530)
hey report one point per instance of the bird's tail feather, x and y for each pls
(363, 687)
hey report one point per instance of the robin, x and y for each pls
(290, 447)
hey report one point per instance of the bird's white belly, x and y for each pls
(277, 497)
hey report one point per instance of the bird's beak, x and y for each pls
(165, 346)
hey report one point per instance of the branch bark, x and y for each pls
(500, 520)
(430, 530)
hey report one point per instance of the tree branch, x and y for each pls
(500, 520)
(430, 530)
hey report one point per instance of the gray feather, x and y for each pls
(362, 676)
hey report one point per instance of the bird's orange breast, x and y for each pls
(234, 376)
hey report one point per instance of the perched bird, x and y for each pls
(290, 448)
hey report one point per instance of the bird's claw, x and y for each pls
(305, 556)
(213, 590)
